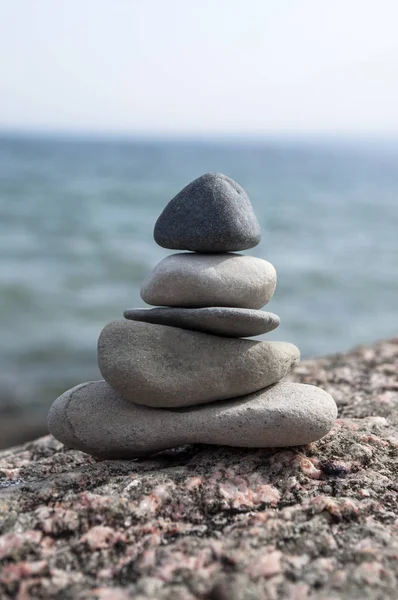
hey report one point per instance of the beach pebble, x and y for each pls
(199, 280)
(232, 322)
(211, 214)
(170, 367)
(92, 417)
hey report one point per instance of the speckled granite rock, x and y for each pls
(318, 522)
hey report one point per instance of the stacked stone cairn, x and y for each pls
(182, 373)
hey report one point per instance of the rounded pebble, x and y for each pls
(170, 367)
(200, 280)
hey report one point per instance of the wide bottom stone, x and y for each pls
(218, 320)
(92, 417)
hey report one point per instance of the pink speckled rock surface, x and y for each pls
(317, 522)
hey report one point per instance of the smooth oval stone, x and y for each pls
(170, 367)
(231, 322)
(92, 417)
(211, 214)
(199, 280)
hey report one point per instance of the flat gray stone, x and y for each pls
(231, 322)
(170, 367)
(200, 280)
(92, 417)
(211, 214)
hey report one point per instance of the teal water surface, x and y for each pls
(76, 224)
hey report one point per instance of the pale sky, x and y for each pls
(182, 67)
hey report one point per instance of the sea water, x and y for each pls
(76, 241)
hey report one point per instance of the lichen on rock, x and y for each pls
(317, 522)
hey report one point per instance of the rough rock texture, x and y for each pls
(317, 522)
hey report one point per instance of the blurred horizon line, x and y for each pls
(75, 135)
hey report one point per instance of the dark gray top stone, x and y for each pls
(211, 214)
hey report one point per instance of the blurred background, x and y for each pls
(108, 109)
